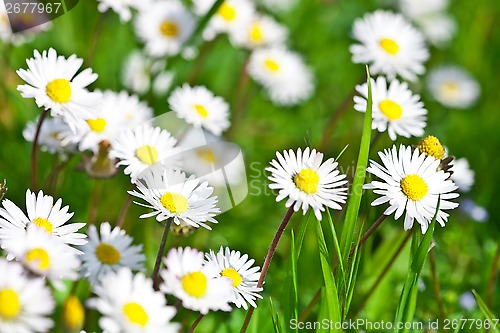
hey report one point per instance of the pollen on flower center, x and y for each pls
(202, 111)
(176, 203)
(147, 154)
(44, 224)
(390, 109)
(271, 65)
(307, 180)
(169, 29)
(97, 125)
(227, 12)
(59, 90)
(38, 256)
(414, 187)
(449, 89)
(233, 275)
(256, 33)
(73, 313)
(107, 254)
(389, 45)
(431, 146)
(10, 307)
(135, 313)
(206, 155)
(195, 284)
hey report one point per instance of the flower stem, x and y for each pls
(267, 262)
(368, 233)
(123, 211)
(34, 151)
(435, 283)
(196, 322)
(159, 256)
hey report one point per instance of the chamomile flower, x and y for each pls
(144, 147)
(51, 136)
(418, 8)
(136, 74)
(453, 87)
(395, 108)
(52, 82)
(431, 146)
(164, 26)
(107, 251)
(25, 303)
(199, 107)
(129, 304)
(283, 73)
(438, 28)
(244, 277)
(307, 181)
(43, 212)
(122, 7)
(390, 45)
(198, 286)
(172, 195)
(43, 254)
(462, 175)
(411, 182)
(261, 31)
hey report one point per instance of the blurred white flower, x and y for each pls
(462, 174)
(122, 7)
(438, 28)
(418, 8)
(162, 83)
(278, 6)
(453, 87)
(51, 136)
(467, 301)
(262, 31)
(136, 74)
(476, 212)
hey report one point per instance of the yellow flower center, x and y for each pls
(206, 155)
(10, 307)
(169, 29)
(59, 90)
(233, 275)
(73, 313)
(389, 46)
(202, 111)
(256, 33)
(44, 224)
(227, 12)
(97, 125)
(136, 314)
(176, 203)
(307, 181)
(414, 187)
(450, 89)
(195, 284)
(38, 256)
(390, 109)
(431, 146)
(107, 254)
(147, 154)
(272, 65)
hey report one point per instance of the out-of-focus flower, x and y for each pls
(262, 31)
(278, 6)
(162, 82)
(418, 8)
(389, 45)
(467, 301)
(462, 174)
(122, 7)
(453, 87)
(73, 314)
(395, 108)
(51, 136)
(476, 212)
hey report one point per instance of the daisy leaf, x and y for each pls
(490, 316)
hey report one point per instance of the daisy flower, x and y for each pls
(238, 268)
(307, 181)
(262, 31)
(453, 87)
(164, 26)
(172, 195)
(51, 136)
(411, 182)
(107, 251)
(283, 73)
(122, 7)
(129, 304)
(390, 45)
(395, 108)
(438, 28)
(198, 286)
(136, 73)
(52, 82)
(462, 175)
(162, 82)
(418, 8)
(143, 147)
(25, 303)
(73, 314)
(43, 212)
(199, 107)
(44, 254)
(431, 146)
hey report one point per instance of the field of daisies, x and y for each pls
(250, 166)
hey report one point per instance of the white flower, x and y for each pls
(438, 28)
(395, 108)
(462, 175)
(43, 212)
(122, 7)
(474, 211)
(418, 8)
(25, 303)
(278, 6)
(261, 31)
(129, 304)
(164, 26)
(244, 277)
(172, 195)
(453, 87)
(162, 82)
(467, 301)
(44, 254)
(307, 181)
(144, 147)
(108, 251)
(51, 135)
(52, 82)
(199, 107)
(389, 45)
(198, 286)
(411, 182)
(231, 16)
(283, 73)
(136, 74)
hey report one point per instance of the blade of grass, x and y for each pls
(490, 316)
(336, 243)
(353, 275)
(276, 318)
